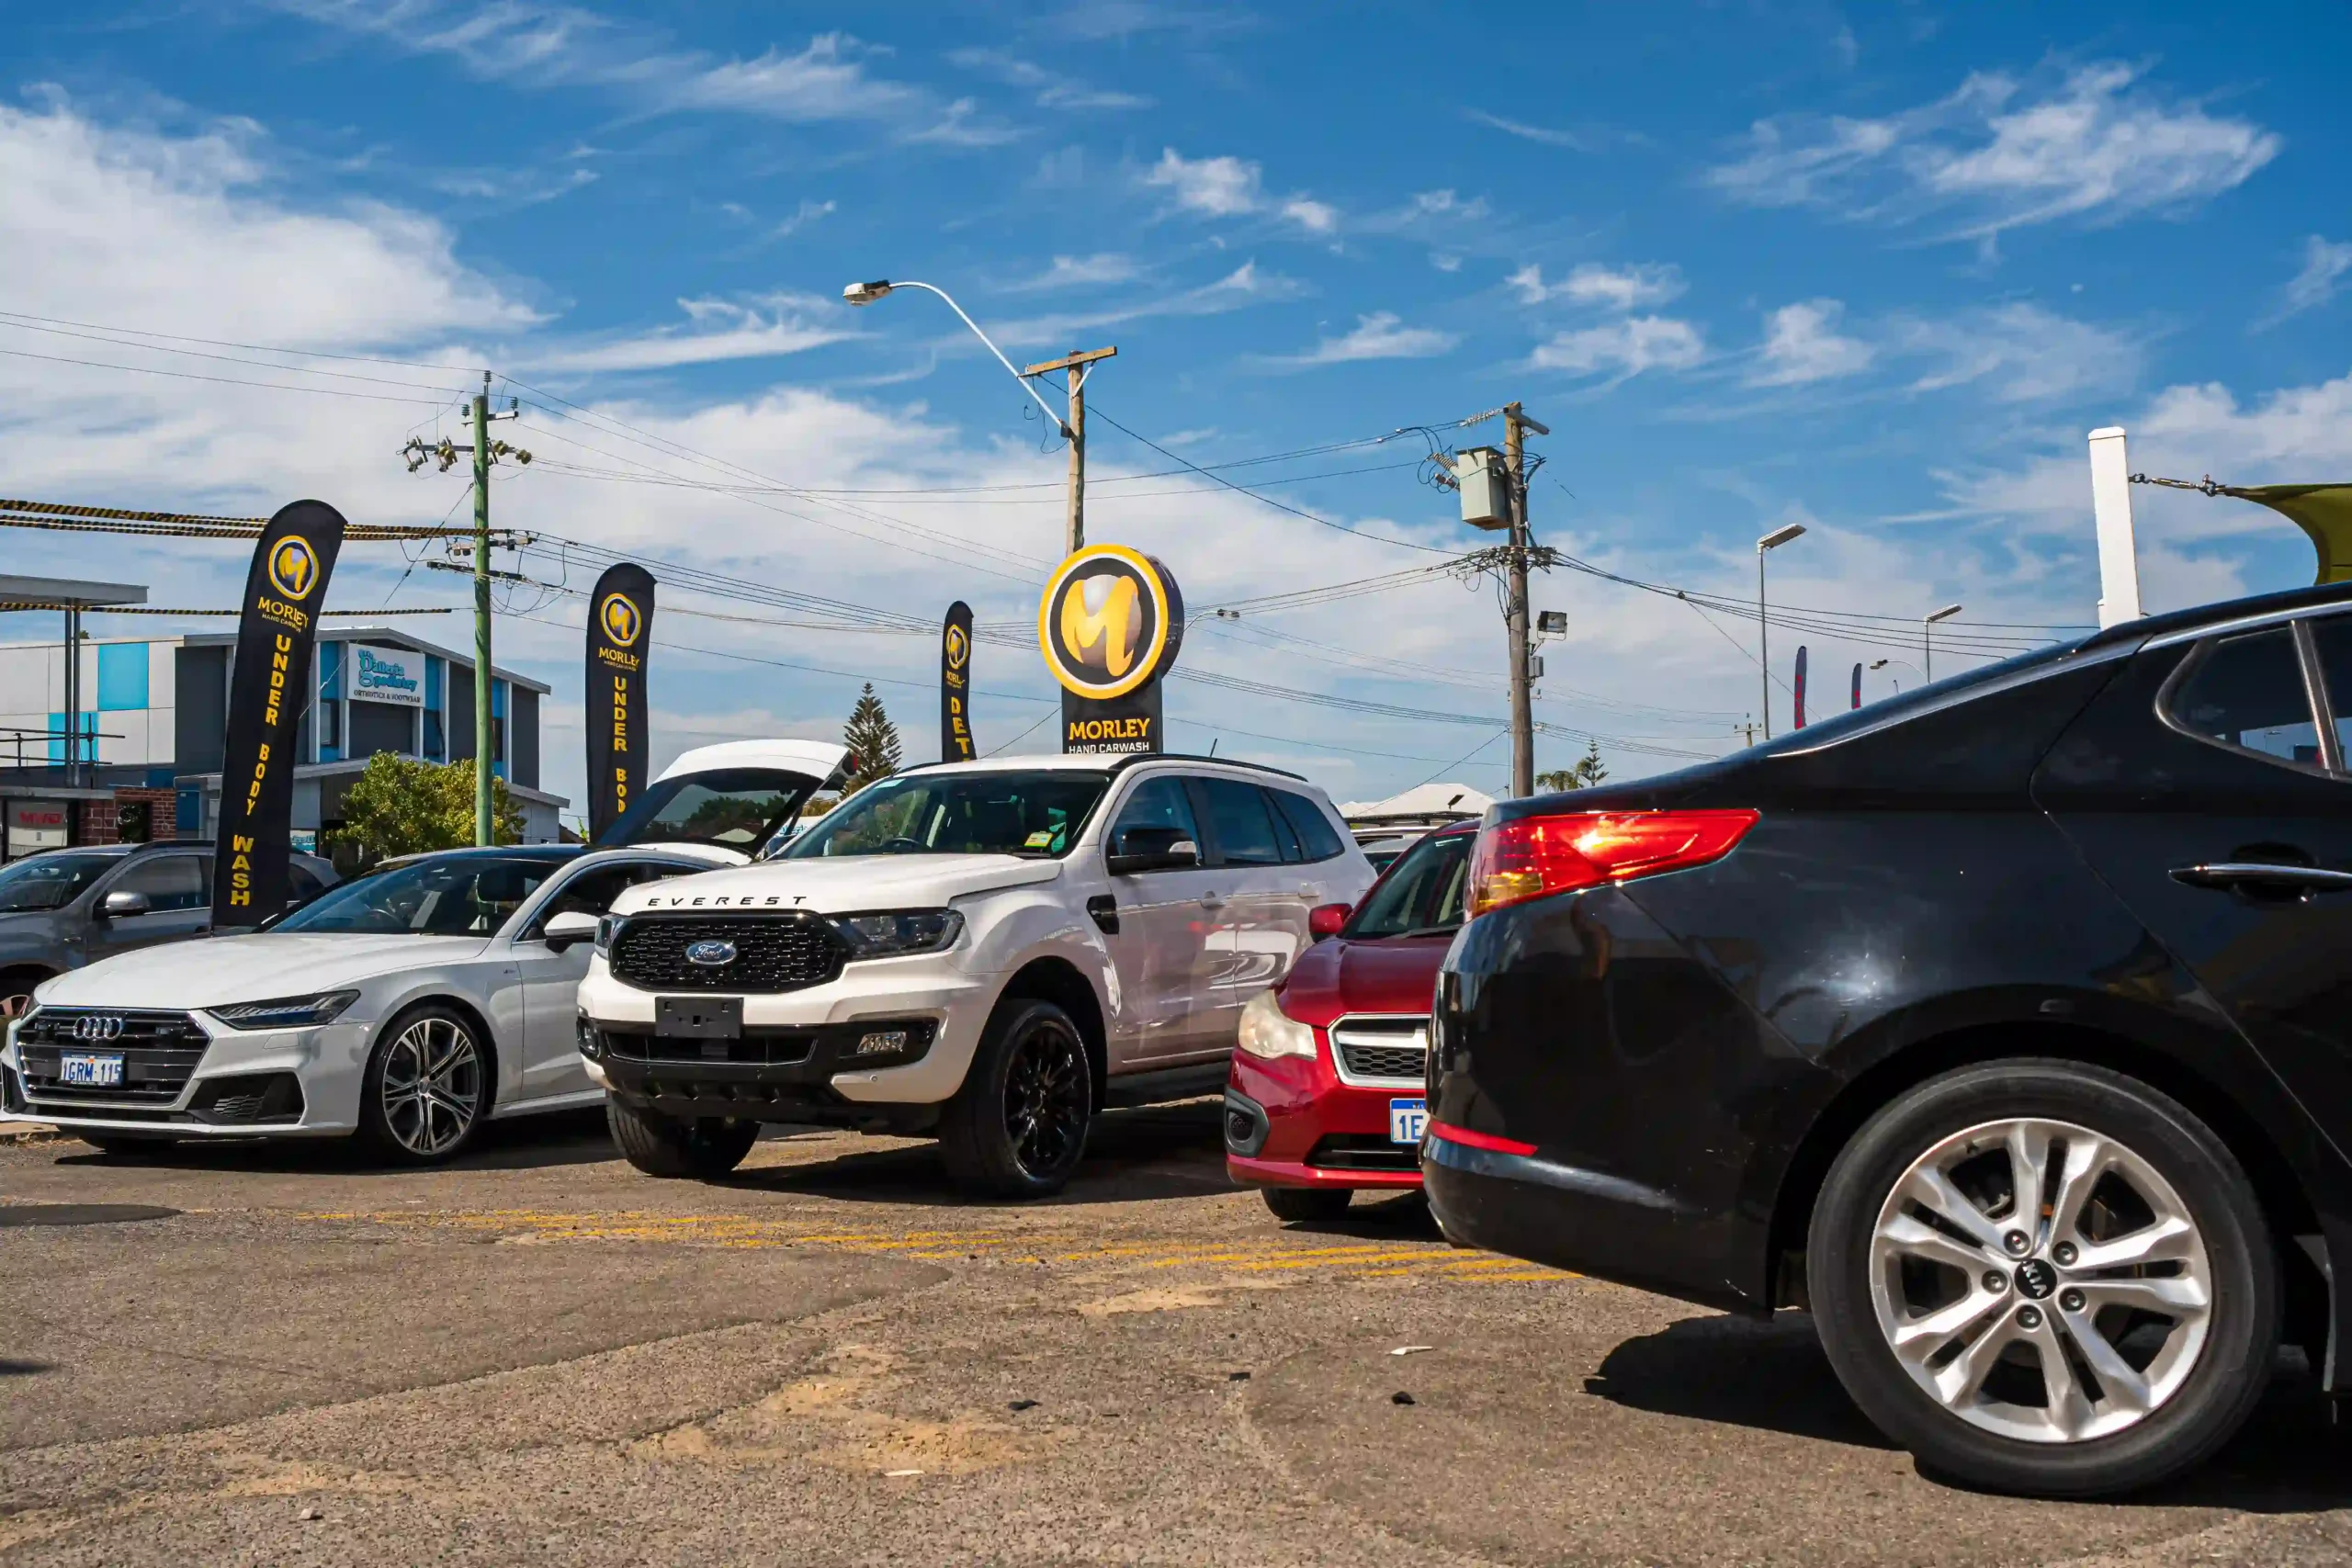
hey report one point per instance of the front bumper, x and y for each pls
(1299, 1126)
(222, 1083)
(808, 1040)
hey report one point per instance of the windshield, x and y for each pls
(49, 881)
(736, 808)
(943, 813)
(458, 895)
(1421, 894)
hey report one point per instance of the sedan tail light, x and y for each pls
(1533, 857)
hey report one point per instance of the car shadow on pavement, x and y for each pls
(1772, 1374)
(523, 1143)
(1132, 1156)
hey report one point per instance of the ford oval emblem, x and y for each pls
(710, 955)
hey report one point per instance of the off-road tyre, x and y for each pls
(675, 1149)
(2242, 1279)
(1017, 1128)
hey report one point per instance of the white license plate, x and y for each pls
(1407, 1119)
(95, 1072)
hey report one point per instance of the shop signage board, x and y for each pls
(1109, 625)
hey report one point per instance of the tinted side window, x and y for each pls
(2333, 637)
(1317, 838)
(1245, 829)
(169, 882)
(306, 883)
(1158, 803)
(2247, 693)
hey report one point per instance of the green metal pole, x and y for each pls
(483, 822)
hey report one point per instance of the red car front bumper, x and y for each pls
(1316, 1132)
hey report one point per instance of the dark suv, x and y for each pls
(64, 908)
(2006, 1026)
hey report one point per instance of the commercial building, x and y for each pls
(141, 755)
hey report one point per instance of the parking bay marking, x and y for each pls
(1365, 1260)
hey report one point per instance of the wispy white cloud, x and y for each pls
(1381, 335)
(1052, 89)
(1623, 348)
(1244, 286)
(513, 188)
(1525, 132)
(2015, 353)
(1591, 282)
(715, 330)
(2325, 264)
(2098, 144)
(1802, 345)
(1084, 272)
(807, 212)
(1227, 186)
(555, 45)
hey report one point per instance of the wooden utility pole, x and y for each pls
(1522, 708)
(1074, 430)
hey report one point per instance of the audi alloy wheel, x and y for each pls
(427, 1087)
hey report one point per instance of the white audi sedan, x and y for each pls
(408, 1007)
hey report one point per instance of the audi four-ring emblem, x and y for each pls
(96, 1028)
(710, 955)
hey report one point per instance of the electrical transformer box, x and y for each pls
(1486, 487)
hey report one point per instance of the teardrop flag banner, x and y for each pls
(277, 623)
(1800, 688)
(1858, 684)
(621, 641)
(956, 742)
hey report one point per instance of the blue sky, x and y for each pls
(1873, 269)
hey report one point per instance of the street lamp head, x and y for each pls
(1943, 614)
(866, 293)
(1778, 537)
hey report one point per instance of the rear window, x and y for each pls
(1317, 839)
(2247, 693)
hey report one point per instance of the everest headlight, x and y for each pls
(287, 1012)
(898, 931)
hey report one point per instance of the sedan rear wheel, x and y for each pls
(2043, 1277)
(428, 1087)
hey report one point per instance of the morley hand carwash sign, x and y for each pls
(1109, 624)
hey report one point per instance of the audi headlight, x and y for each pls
(1267, 1031)
(900, 931)
(287, 1012)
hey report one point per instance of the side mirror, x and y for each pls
(1151, 849)
(1328, 919)
(568, 930)
(119, 905)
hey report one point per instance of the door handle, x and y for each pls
(2264, 875)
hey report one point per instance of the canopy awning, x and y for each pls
(2323, 512)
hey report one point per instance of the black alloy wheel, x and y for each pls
(2045, 1278)
(1017, 1129)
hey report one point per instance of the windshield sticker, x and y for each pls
(1039, 841)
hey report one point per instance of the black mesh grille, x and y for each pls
(1384, 1061)
(159, 1051)
(1362, 1151)
(775, 954)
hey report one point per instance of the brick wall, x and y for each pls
(162, 811)
(96, 822)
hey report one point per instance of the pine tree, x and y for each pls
(871, 740)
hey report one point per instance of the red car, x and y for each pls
(1326, 1093)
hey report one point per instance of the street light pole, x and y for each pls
(1073, 428)
(1771, 541)
(1927, 638)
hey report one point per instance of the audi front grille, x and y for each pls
(159, 1050)
(771, 952)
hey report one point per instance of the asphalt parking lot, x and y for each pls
(290, 1356)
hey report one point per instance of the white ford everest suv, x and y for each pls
(988, 952)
